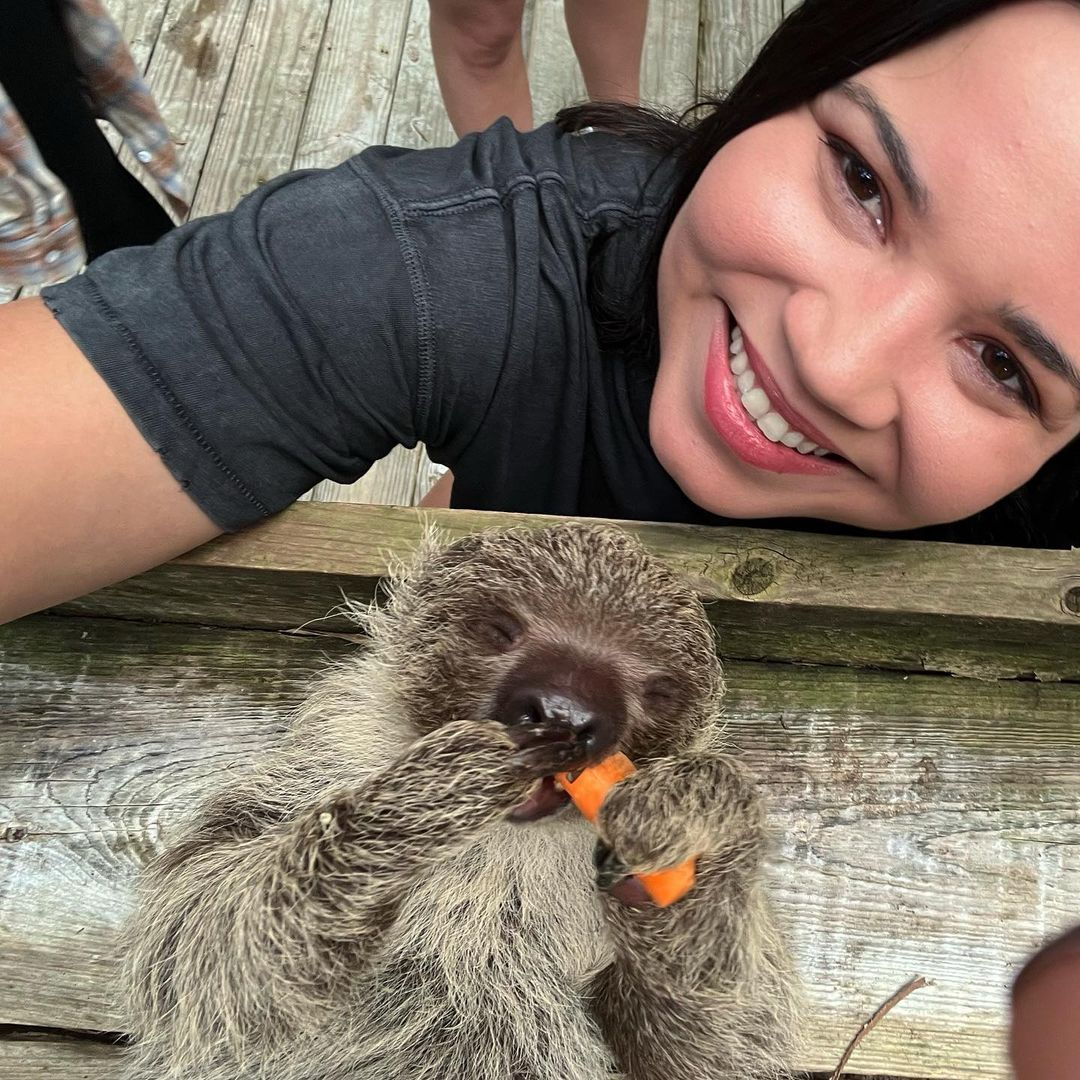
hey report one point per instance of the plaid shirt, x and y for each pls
(40, 242)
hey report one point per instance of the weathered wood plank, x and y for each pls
(984, 612)
(555, 79)
(417, 117)
(668, 66)
(28, 1058)
(732, 31)
(348, 102)
(261, 114)
(189, 72)
(913, 837)
(669, 62)
(140, 22)
(76, 1059)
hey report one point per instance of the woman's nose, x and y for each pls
(859, 346)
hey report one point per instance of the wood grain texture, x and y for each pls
(189, 72)
(668, 65)
(53, 1058)
(913, 837)
(140, 22)
(74, 1059)
(925, 823)
(554, 76)
(349, 98)
(732, 31)
(263, 109)
(987, 613)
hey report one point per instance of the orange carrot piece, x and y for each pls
(588, 789)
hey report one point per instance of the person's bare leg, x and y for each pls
(608, 37)
(480, 64)
(438, 495)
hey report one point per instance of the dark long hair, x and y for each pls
(817, 46)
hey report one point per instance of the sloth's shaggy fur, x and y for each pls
(360, 907)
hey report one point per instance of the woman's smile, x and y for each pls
(745, 406)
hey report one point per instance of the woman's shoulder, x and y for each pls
(597, 173)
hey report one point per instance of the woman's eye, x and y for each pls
(860, 180)
(1006, 371)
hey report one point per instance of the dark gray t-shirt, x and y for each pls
(435, 295)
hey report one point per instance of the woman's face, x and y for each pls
(902, 258)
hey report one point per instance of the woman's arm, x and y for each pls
(84, 500)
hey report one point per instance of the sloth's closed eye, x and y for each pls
(499, 630)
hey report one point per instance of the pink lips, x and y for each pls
(737, 429)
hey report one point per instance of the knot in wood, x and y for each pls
(753, 575)
(1070, 600)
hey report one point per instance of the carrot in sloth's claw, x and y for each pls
(588, 788)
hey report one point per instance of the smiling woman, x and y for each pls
(841, 297)
(900, 282)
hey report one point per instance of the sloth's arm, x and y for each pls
(701, 990)
(248, 927)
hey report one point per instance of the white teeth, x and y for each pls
(773, 426)
(756, 402)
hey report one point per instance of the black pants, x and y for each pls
(38, 73)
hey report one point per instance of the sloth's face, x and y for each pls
(572, 636)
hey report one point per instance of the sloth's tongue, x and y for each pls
(544, 799)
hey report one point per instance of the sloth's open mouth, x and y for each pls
(545, 798)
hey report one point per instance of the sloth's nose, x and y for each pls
(584, 707)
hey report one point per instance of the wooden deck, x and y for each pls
(914, 710)
(917, 730)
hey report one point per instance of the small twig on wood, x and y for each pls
(899, 996)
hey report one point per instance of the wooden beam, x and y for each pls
(794, 597)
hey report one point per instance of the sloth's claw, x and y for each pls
(549, 756)
(614, 877)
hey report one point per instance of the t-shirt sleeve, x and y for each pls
(262, 350)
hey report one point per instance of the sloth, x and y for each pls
(400, 890)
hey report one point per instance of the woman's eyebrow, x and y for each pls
(892, 143)
(1039, 344)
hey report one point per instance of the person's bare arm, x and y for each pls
(439, 493)
(84, 501)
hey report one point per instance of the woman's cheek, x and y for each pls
(753, 209)
(956, 472)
